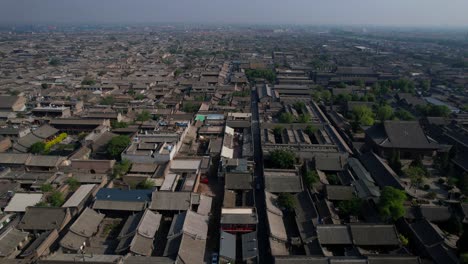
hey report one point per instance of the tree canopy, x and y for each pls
(47, 187)
(277, 130)
(56, 199)
(286, 118)
(146, 184)
(143, 116)
(121, 168)
(117, 145)
(54, 62)
(88, 81)
(108, 100)
(363, 115)
(267, 74)
(434, 110)
(37, 148)
(304, 118)
(404, 115)
(116, 124)
(310, 130)
(391, 203)
(310, 178)
(73, 184)
(384, 112)
(416, 175)
(286, 200)
(350, 207)
(282, 159)
(190, 107)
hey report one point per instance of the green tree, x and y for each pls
(310, 130)
(73, 184)
(47, 187)
(222, 102)
(333, 179)
(391, 203)
(116, 145)
(143, 116)
(404, 85)
(384, 113)
(177, 72)
(37, 148)
(82, 135)
(121, 168)
(88, 81)
(190, 107)
(303, 118)
(433, 110)
(426, 85)
(395, 162)
(363, 115)
(116, 124)
(342, 98)
(350, 207)
(267, 74)
(286, 118)
(341, 85)
(310, 178)
(44, 85)
(404, 241)
(108, 100)
(56, 199)
(54, 62)
(360, 83)
(139, 97)
(42, 204)
(326, 96)
(299, 106)
(282, 158)
(146, 184)
(416, 175)
(286, 200)
(404, 115)
(277, 131)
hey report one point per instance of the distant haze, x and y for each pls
(355, 12)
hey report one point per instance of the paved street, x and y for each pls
(262, 233)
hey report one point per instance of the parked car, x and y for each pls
(214, 258)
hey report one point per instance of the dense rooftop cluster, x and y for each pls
(232, 145)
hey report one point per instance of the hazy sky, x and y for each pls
(369, 12)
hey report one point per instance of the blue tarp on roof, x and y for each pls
(123, 195)
(215, 117)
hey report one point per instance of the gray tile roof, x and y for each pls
(249, 245)
(238, 181)
(374, 235)
(333, 235)
(9, 241)
(276, 183)
(171, 201)
(43, 218)
(339, 192)
(227, 246)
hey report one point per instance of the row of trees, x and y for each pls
(364, 115)
(289, 118)
(267, 74)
